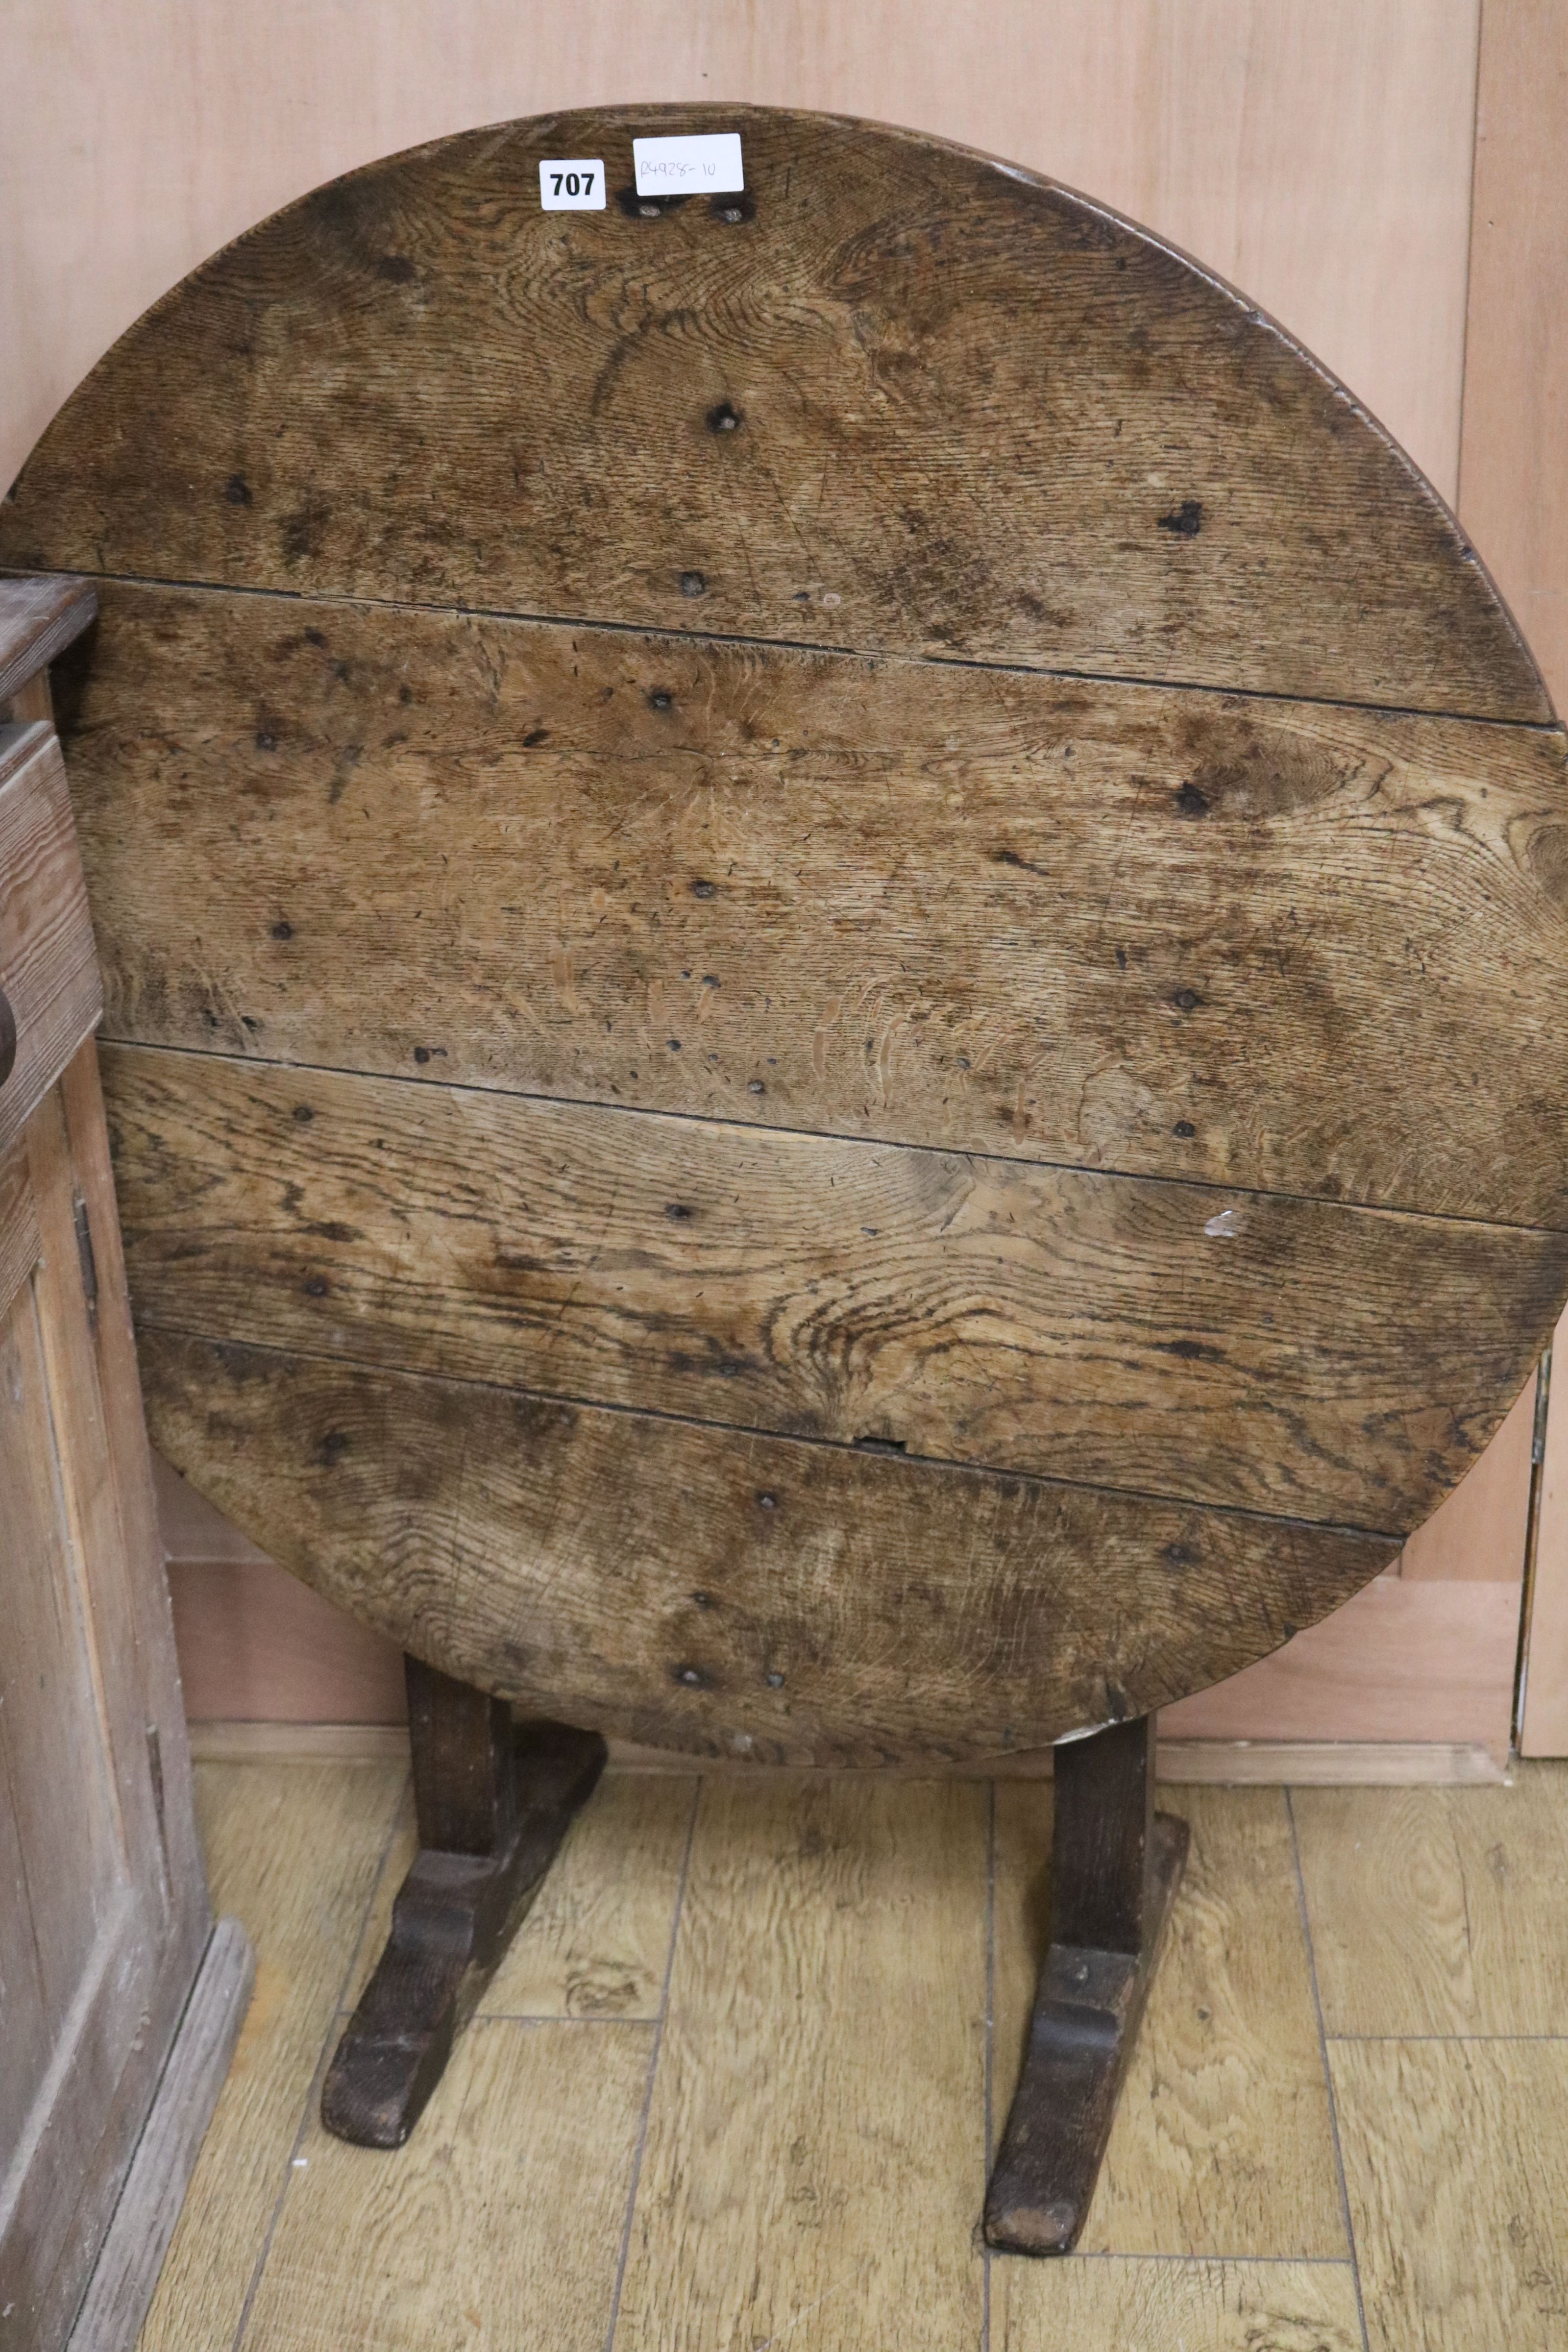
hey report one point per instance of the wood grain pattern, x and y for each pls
(18, 1224)
(105, 1341)
(932, 903)
(294, 1851)
(883, 357)
(504, 2234)
(1457, 2173)
(1222, 2144)
(829, 1930)
(804, 1602)
(38, 618)
(596, 1942)
(47, 969)
(1197, 2306)
(126, 2273)
(48, 1736)
(1435, 1911)
(1171, 1339)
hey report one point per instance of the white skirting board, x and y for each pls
(1299, 1763)
(131, 2256)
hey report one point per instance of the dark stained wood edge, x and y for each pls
(40, 614)
(493, 1806)
(1115, 1868)
(1087, 2010)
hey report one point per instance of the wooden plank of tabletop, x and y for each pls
(1176, 933)
(1299, 1357)
(917, 401)
(724, 1593)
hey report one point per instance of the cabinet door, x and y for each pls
(103, 1911)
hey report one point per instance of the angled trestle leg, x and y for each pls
(1115, 1867)
(494, 1805)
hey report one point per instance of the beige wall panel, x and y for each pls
(1408, 1659)
(1544, 1730)
(257, 1646)
(1478, 1534)
(1317, 152)
(1514, 497)
(1514, 478)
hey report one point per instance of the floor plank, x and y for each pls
(1173, 2306)
(1223, 2142)
(596, 1942)
(815, 2155)
(1456, 2160)
(1439, 1910)
(499, 2228)
(292, 1849)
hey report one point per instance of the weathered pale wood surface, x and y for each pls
(895, 476)
(296, 1851)
(723, 1592)
(38, 618)
(126, 2273)
(1056, 920)
(106, 1903)
(19, 1223)
(805, 2076)
(47, 969)
(1458, 2174)
(1199, 2306)
(491, 793)
(829, 1930)
(1439, 1913)
(533, 2135)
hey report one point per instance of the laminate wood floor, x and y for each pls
(734, 2086)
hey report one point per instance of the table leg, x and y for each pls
(494, 1805)
(1115, 1867)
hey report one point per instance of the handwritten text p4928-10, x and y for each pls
(705, 164)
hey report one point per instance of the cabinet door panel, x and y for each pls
(102, 1934)
(51, 1749)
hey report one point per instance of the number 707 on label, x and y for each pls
(571, 183)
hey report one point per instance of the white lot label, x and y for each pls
(571, 183)
(708, 163)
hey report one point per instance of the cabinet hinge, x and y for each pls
(89, 1262)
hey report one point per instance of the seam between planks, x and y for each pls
(1306, 1918)
(328, 2041)
(807, 647)
(766, 1128)
(636, 2180)
(1267, 1520)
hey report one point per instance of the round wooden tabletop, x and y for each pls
(835, 929)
